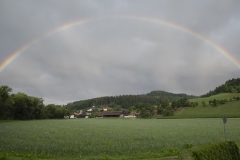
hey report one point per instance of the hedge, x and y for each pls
(224, 150)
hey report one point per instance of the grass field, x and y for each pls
(230, 109)
(110, 138)
(217, 97)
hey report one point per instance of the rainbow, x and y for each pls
(18, 52)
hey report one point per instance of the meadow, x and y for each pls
(230, 108)
(217, 97)
(110, 138)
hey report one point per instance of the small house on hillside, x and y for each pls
(73, 115)
(90, 110)
(106, 108)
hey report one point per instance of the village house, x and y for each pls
(73, 115)
(105, 108)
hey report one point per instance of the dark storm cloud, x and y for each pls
(117, 56)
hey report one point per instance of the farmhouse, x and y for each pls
(90, 110)
(112, 114)
(75, 114)
(105, 108)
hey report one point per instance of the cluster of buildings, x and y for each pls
(105, 111)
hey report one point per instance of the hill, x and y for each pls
(231, 108)
(230, 86)
(171, 96)
(186, 105)
(126, 101)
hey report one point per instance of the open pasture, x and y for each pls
(230, 109)
(217, 97)
(94, 138)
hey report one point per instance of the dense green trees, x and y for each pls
(215, 102)
(23, 107)
(144, 110)
(6, 102)
(165, 102)
(230, 86)
(165, 108)
(203, 104)
(95, 112)
(156, 102)
(126, 101)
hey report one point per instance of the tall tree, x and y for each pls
(165, 102)
(6, 102)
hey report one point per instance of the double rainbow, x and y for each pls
(18, 52)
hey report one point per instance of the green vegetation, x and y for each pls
(230, 86)
(117, 138)
(110, 138)
(23, 107)
(126, 101)
(156, 103)
(231, 108)
(221, 96)
(217, 150)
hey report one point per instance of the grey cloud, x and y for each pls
(115, 56)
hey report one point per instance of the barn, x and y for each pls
(112, 114)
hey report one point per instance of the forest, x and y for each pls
(126, 101)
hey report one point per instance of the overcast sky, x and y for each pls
(109, 56)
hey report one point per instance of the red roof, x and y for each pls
(106, 107)
(75, 114)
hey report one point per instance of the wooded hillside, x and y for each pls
(126, 101)
(230, 86)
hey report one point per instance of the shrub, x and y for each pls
(168, 112)
(218, 150)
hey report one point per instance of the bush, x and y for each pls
(167, 112)
(216, 151)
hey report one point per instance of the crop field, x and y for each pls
(110, 138)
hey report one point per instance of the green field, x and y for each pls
(110, 138)
(230, 109)
(217, 97)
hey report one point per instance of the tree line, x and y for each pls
(23, 107)
(165, 108)
(230, 86)
(215, 102)
(126, 101)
